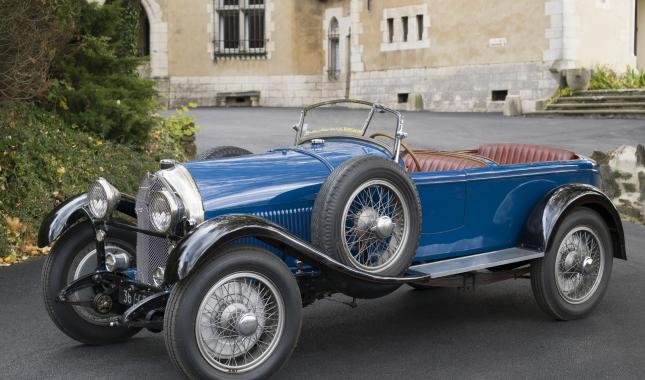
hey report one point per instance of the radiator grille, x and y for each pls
(152, 252)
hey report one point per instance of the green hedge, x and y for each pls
(44, 161)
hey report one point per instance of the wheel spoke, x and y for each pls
(579, 265)
(375, 199)
(222, 340)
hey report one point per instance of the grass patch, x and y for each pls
(43, 161)
(560, 93)
(605, 78)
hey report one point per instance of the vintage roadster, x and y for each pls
(222, 253)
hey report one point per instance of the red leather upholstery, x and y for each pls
(508, 154)
(434, 162)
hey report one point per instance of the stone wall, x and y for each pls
(457, 88)
(275, 91)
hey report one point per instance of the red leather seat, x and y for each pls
(508, 154)
(438, 162)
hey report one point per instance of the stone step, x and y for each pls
(621, 92)
(583, 106)
(601, 99)
(597, 113)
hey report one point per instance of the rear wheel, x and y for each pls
(237, 317)
(569, 282)
(73, 256)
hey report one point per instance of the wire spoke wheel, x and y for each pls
(579, 265)
(239, 322)
(376, 224)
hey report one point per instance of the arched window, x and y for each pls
(144, 33)
(333, 63)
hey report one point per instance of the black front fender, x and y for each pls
(69, 212)
(213, 234)
(540, 227)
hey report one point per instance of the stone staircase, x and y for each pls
(619, 104)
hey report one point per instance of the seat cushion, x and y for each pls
(439, 162)
(508, 154)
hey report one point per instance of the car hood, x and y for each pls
(278, 179)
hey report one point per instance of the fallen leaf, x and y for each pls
(13, 224)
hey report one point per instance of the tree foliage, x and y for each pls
(96, 85)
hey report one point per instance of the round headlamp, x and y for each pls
(163, 209)
(102, 198)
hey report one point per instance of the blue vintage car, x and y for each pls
(222, 253)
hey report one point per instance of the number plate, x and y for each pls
(129, 296)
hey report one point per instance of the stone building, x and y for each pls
(439, 55)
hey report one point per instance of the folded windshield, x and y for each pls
(347, 118)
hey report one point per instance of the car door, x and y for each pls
(443, 200)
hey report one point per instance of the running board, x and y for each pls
(474, 262)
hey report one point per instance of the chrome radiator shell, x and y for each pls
(152, 251)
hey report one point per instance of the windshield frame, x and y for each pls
(374, 107)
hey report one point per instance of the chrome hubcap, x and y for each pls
(579, 265)
(239, 322)
(247, 325)
(376, 225)
(383, 226)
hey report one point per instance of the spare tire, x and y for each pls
(367, 215)
(221, 152)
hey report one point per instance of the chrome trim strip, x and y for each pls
(476, 262)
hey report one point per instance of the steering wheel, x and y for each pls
(405, 146)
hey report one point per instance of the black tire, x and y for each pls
(221, 152)
(74, 243)
(329, 207)
(187, 296)
(543, 271)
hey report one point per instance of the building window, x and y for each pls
(333, 64)
(499, 95)
(390, 30)
(241, 29)
(420, 27)
(404, 24)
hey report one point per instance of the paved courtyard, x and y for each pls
(496, 332)
(259, 129)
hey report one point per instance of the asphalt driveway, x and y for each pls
(260, 129)
(495, 332)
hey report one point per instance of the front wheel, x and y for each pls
(73, 256)
(572, 277)
(237, 317)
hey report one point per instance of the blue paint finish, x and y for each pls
(498, 201)
(272, 181)
(464, 212)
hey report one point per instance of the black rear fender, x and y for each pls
(541, 226)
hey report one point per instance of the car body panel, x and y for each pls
(497, 202)
(464, 212)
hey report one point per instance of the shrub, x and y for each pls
(96, 85)
(604, 78)
(44, 161)
(31, 33)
